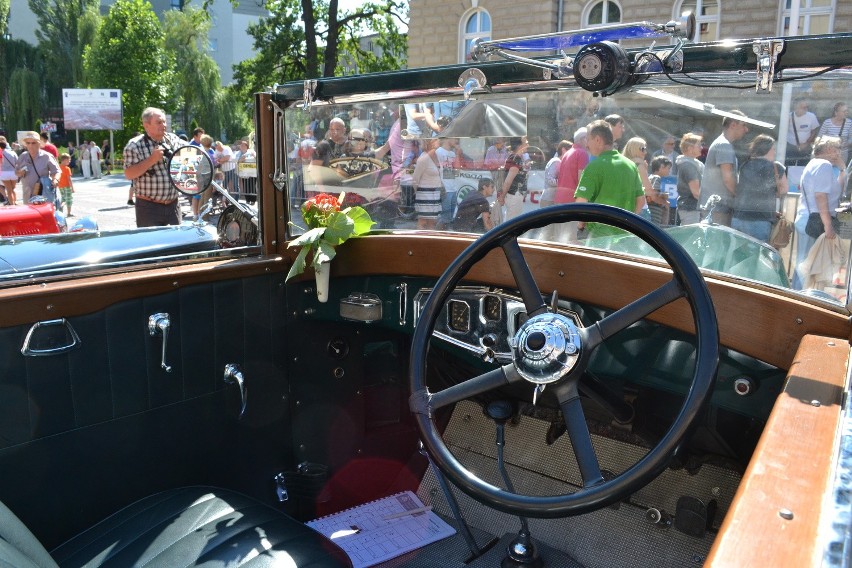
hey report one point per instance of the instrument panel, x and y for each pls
(481, 320)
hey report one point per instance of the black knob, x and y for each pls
(536, 340)
(499, 410)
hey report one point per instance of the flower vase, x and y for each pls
(322, 272)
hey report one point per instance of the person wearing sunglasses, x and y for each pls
(636, 150)
(359, 145)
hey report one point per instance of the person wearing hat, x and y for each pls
(145, 164)
(37, 169)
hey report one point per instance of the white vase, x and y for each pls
(322, 272)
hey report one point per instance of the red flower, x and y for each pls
(317, 210)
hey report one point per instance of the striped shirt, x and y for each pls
(842, 131)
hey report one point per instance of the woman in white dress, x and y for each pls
(7, 172)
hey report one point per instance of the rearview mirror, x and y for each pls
(191, 170)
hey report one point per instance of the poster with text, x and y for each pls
(92, 109)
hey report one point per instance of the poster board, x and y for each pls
(92, 109)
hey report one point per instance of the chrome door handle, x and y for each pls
(159, 323)
(38, 329)
(233, 374)
(403, 302)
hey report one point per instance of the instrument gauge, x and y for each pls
(459, 316)
(492, 308)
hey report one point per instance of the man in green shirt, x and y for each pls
(609, 178)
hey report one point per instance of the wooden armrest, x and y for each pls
(791, 468)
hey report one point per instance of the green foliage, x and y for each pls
(4, 82)
(197, 82)
(24, 100)
(128, 53)
(60, 42)
(391, 45)
(18, 54)
(303, 38)
(280, 44)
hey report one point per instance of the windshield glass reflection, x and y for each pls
(467, 169)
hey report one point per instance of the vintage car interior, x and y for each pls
(670, 398)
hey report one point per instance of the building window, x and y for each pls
(706, 17)
(213, 45)
(601, 13)
(177, 4)
(815, 17)
(474, 25)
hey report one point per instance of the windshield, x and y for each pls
(449, 164)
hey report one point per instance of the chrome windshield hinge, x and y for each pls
(310, 91)
(767, 51)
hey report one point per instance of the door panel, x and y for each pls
(85, 432)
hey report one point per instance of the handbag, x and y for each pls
(815, 228)
(779, 236)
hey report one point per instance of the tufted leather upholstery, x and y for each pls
(190, 526)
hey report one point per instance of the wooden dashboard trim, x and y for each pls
(760, 322)
(791, 468)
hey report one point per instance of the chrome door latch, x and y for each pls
(281, 487)
(159, 323)
(234, 375)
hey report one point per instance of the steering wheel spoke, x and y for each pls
(578, 433)
(485, 382)
(631, 313)
(523, 277)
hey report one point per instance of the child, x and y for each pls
(66, 188)
(661, 166)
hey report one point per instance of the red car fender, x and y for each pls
(32, 219)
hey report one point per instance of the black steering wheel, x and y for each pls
(550, 349)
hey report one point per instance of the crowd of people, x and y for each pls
(670, 186)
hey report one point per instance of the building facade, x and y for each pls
(442, 31)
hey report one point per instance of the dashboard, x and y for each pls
(482, 320)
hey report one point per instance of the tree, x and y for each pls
(24, 99)
(197, 81)
(128, 53)
(303, 39)
(25, 64)
(196, 74)
(60, 41)
(4, 84)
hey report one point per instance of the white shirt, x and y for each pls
(802, 126)
(231, 163)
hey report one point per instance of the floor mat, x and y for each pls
(621, 537)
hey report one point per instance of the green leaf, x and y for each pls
(298, 264)
(312, 237)
(325, 253)
(362, 220)
(339, 228)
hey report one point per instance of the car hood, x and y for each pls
(59, 252)
(712, 247)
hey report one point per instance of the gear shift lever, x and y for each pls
(522, 551)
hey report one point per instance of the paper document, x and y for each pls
(383, 529)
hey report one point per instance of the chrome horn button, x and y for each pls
(546, 347)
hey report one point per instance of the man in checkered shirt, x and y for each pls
(146, 165)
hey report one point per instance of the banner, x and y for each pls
(92, 109)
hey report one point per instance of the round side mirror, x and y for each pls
(191, 170)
